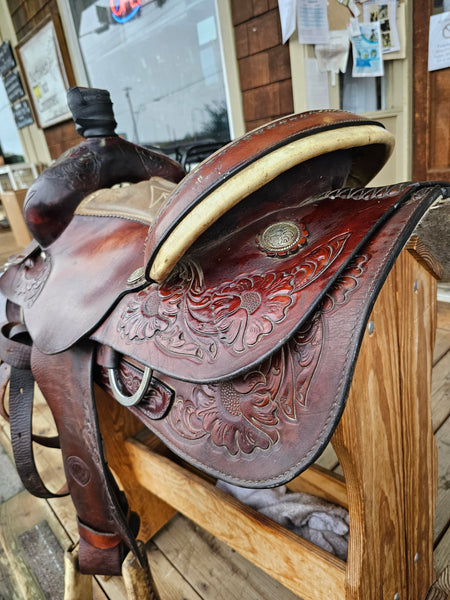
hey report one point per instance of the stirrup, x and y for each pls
(137, 396)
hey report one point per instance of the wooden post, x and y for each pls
(416, 308)
(138, 580)
(385, 443)
(77, 586)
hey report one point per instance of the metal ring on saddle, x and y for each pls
(138, 394)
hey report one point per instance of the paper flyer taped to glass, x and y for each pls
(367, 51)
(386, 13)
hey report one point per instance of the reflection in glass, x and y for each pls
(163, 67)
(361, 94)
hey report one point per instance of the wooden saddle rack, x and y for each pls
(224, 310)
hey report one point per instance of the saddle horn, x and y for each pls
(101, 160)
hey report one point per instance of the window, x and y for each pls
(362, 94)
(10, 145)
(161, 61)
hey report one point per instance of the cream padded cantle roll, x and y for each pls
(255, 176)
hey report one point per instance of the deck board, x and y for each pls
(188, 562)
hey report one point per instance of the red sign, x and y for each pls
(124, 10)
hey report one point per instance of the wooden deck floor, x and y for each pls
(187, 562)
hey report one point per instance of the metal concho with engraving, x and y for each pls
(283, 238)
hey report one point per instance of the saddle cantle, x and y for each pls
(225, 310)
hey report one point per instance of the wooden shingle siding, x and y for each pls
(264, 63)
(26, 14)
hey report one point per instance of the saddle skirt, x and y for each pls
(245, 290)
(251, 368)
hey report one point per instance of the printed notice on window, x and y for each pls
(385, 13)
(439, 42)
(367, 52)
(312, 22)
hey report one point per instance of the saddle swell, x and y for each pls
(242, 294)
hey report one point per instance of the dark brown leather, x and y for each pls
(15, 348)
(66, 292)
(199, 325)
(95, 163)
(66, 381)
(252, 338)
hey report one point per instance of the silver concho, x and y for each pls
(283, 238)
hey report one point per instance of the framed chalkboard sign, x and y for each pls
(13, 86)
(22, 114)
(7, 61)
(47, 72)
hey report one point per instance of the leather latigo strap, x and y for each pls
(15, 348)
(263, 427)
(107, 529)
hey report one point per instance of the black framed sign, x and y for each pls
(22, 114)
(13, 86)
(7, 60)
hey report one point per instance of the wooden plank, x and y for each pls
(442, 345)
(442, 553)
(212, 568)
(443, 493)
(416, 318)
(322, 483)
(443, 309)
(170, 582)
(302, 567)
(440, 391)
(368, 443)
(8, 586)
(423, 255)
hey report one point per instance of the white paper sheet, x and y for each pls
(312, 21)
(317, 96)
(333, 56)
(288, 18)
(439, 42)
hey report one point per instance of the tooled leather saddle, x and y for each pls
(225, 308)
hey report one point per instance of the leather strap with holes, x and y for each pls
(15, 350)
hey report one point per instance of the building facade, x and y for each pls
(186, 70)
